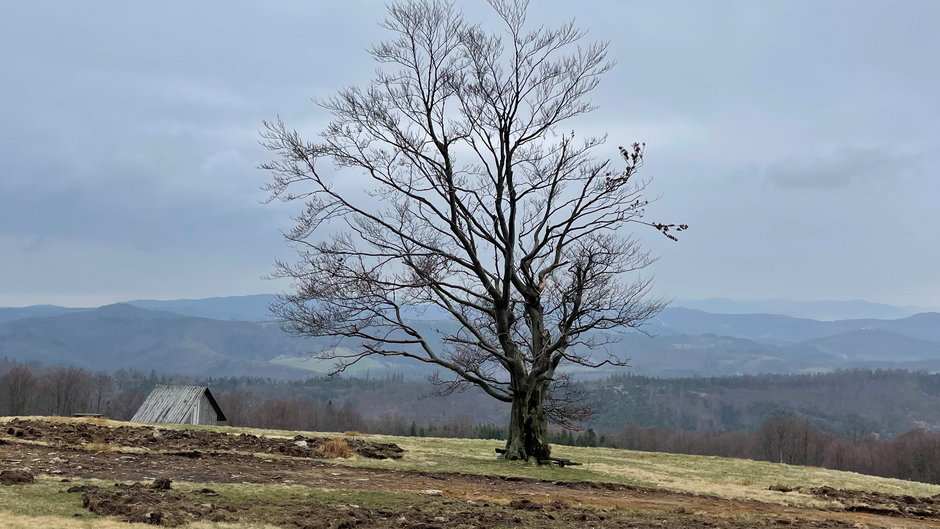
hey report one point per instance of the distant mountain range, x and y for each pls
(241, 308)
(826, 310)
(255, 308)
(34, 311)
(228, 336)
(124, 336)
(776, 329)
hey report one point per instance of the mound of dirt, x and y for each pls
(880, 503)
(190, 442)
(375, 450)
(152, 504)
(29, 433)
(525, 504)
(155, 505)
(16, 477)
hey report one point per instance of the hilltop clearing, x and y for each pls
(244, 480)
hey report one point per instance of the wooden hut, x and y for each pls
(180, 405)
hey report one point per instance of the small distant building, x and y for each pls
(180, 405)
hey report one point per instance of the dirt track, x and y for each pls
(558, 502)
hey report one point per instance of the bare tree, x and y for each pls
(237, 406)
(66, 390)
(476, 204)
(102, 385)
(18, 387)
(126, 404)
(784, 438)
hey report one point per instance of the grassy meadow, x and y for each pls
(44, 504)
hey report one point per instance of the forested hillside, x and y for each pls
(850, 403)
(685, 343)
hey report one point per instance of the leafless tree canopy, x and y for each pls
(478, 203)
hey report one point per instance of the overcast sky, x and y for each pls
(799, 139)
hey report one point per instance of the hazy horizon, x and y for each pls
(686, 303)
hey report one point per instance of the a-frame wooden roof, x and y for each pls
(173, 403)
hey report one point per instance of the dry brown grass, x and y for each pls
(100, 421)
(354, 433)
(335, 448)
(99, 447)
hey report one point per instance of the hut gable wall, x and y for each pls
(205, 412)
(180, 405)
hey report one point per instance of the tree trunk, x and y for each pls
(528, 426)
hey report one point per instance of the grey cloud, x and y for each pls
(842, 169)
(129, 139)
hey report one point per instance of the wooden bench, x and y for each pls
(560, 461)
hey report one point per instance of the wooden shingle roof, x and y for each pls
(172, 404)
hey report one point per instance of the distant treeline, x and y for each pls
(793, 425)
(32, 389)
(316, 404)
(850, 403)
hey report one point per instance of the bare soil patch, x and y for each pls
(444, 500)
(16, 477)
(157, 505)
(75, 434)
(881, 503)
(153, 504)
